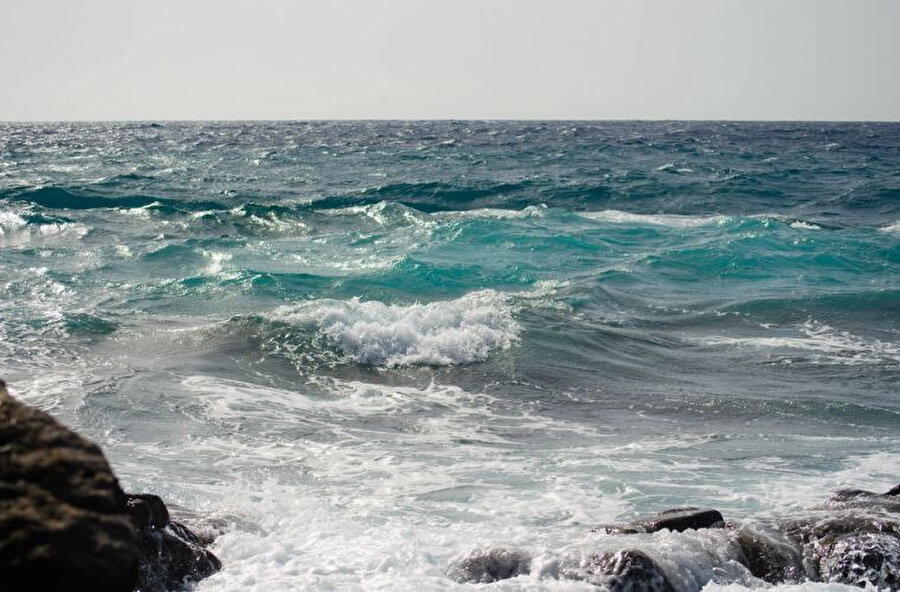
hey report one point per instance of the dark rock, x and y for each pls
(677, 519)
(771, 555)
(864, 560)
(170, 554)
(147, 510)
(681, 519)
(855, 540)
(63, 519)
(484, 566)
(861, 499)
(895, 491)
(66, 524)
(628, 570)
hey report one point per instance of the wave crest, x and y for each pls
(460, 331)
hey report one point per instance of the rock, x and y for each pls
(894, 491)
(66, 524)
(628, 570)
(170, 554)
(860, 498)
(483, 566)
(677, 519)
(771, 555)
(63, 518)
(864, 560)
(681, 519)
(851, 544)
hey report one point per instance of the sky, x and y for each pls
(449, 59)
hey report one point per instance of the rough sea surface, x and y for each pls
(362, 350)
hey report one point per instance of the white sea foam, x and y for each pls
(801, 225)
(447, 332)
(672, 167)
(386, 213)
(673, 220)
(10, 221)
(217, 262)
(142, 212)
(892, 228)
(15, 230)
(536, 211)
(827, 344)
(269, 221)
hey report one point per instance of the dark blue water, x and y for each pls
(368, 346)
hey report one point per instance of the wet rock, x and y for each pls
(862, 499)
(628, 570)
(66, 524)
(894, 491)
(677, 519)
(63, 518)
(864, 560)
(170, 553)
(857, 544)
(770, 555)
(483, 566)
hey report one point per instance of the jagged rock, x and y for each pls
(869, 559)
(66, 524)
(63, 522)
(483, 566)
(170, 553)
(629, 570)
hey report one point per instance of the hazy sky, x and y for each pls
(578, 59)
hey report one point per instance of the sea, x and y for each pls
(361, 351)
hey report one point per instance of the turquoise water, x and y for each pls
(369, 347)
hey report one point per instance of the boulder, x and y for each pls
(487, 565)
(66, 524)
(629, 570)
(770, 555)
(63, 518)
(170, 554)
(677, 519)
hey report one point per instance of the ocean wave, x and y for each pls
(829, 345)
(686, 221)
(534, 211)
(10, 221)
(16, 229)
(802, 225)
(671, 220)
(385, 213)
(70, 198)
(460, 331)
(892, 228)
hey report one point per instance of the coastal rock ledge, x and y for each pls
(66, 524)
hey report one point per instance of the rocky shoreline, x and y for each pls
(66, 524)
(853, 538)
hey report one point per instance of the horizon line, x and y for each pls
(451, 119)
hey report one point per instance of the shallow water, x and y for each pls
(363, 350)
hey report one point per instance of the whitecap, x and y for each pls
(217, 262)
(10, 221)
(672, 220)
(892, 228)
(385, 213)
(535, 211)
(827, 343)
(801, 225)
(460, 331)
